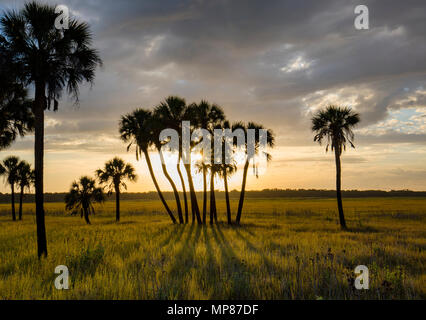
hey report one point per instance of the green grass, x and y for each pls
(285, 249)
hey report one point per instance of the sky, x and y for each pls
(274, 62)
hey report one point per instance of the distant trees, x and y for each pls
(114, 174)
(25, 178)
(52, 61)
(335, 124)
(9, 168)
(81, 197)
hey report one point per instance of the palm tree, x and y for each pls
(25, 178)
(115, 172)
(270, 141)
(171, 112)
(52, 60)
(206, 116)
(158, 126)
(136, 129)
(10, 171)
(82, 195)
(16, 117)
(335, 124)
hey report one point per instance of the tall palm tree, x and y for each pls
(115, 172)
(10, 171)
(136, 129)
(52, 60)
(25, 178)
(206, 116)
(158, 125)
(270, 141)
(82, 195)
(171, 112)
(335, 125)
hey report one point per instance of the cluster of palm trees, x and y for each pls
(17, 173)
(141, 129)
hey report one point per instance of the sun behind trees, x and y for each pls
(145, 130)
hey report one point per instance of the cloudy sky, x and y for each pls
(273, 62)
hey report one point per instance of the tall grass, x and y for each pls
(285, 249)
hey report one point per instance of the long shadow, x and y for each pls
(175, 235)
(237, 272)
(272, 268)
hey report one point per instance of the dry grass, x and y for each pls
(286, 249)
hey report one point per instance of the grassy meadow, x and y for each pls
(285, 249)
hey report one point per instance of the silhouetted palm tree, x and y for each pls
(10, 171)
(25, 178)
(16, 117)
(82, 195)
(171, 112)
(206, 116)
(158, 125)
(270, 141)
(136, 129)
(115, 172)
(335, 124)
(52, 60)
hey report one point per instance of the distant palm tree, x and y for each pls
(270, 141)
(10, 171)
(115, 172)
(335, 124)
(25, 178)
(52, 60)
(82, 195)
(171, 112)
(136, 129)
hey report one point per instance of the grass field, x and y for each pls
(285, 249)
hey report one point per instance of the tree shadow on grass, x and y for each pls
(236, 273)
(175, 235)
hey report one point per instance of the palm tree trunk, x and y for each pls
(175, 191)
(228, 205)
(39, 105)
(194, 203)
(338, 187)
(86, 215)
(242, 194)
(160, 194)
(117, 203)
(21, 197)
(13, 202)
(204, 193)
(185, 200)
(213, 214)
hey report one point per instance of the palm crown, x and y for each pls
(115, 172)
(56, 58)
(335, 124)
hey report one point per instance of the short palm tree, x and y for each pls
(81, 197)
(171, 112)
(25, 178)
(10, 171)
(136, 129)
(114, 173)
(52, 61)
(335, 124)
(270, 141)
